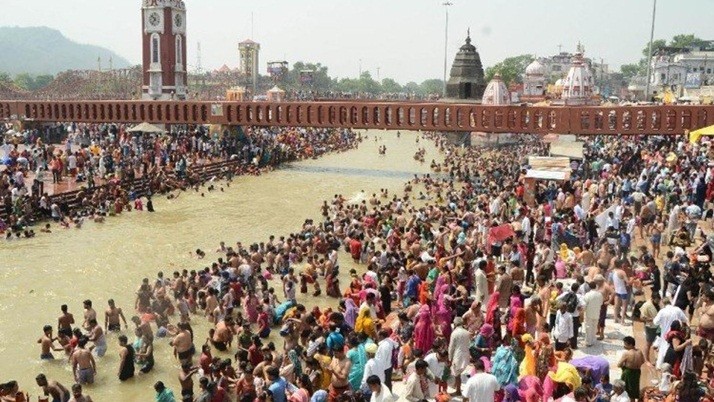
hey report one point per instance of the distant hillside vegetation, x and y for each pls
(42, 50)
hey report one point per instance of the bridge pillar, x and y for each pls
(457, 138)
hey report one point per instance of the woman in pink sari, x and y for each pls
(443, 312)
(424, 330)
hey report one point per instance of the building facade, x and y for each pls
(164, 49)
(249, 52)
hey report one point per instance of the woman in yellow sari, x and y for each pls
(528, 364)
(365, 324)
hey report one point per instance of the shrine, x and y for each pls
(466, 80)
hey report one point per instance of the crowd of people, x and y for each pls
(479, 287)
(106, 160)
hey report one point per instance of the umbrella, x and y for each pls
(146, 128)
(696, 134)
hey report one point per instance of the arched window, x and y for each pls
(179, 50)
(155, 48)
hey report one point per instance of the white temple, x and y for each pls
(578, 84)
(534, 81)
(496, 92)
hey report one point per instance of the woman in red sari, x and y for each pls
(493, 315)
(518, 325)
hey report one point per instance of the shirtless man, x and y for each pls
(77, 395)
(186, 380)
(183, 344)
(339, 368)
(83, 365)
(46, 341)
(631, 362)
(211, 304)
(607, 292)
(111, 317)
(65, 321)
(57, 391)
(706, 316)
(89, 314)
(96, 336)
(222, 337)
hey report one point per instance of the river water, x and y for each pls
(102, 261)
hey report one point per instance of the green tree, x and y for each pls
(391, 86)
(686, 40)
(431, 86)
(367, 84)
(321, 81)
(656, 46)
(42, 81)
(411, 87)
(5, 77)
(630, 70)
(511, 68)
(25, 81)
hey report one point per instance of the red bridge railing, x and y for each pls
(660, 119)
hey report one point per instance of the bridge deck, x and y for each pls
(628, 120)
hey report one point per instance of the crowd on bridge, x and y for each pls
(116, 170)
(462, 288)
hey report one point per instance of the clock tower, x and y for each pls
(164, 49)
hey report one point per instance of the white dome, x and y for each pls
(578, 85)
(496, 92)
(535, 68)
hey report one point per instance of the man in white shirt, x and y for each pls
(664, 319)
(593, 302)
(438, 362)
(480, 281)
(579, 304)
(526, 227)
(385, 350)
(380, 393)
(563, 329)
(413, 391)
(619, 393)
(371, 367)
(481, 387)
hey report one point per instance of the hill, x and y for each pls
(42, 50)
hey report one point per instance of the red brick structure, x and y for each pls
(627, 120)
(163, 24)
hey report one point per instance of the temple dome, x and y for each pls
(578, 84)
(496, 92)
(535, 68)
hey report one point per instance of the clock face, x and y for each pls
(154, 19)
(178, 20)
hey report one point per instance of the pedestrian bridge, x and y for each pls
(432, 116)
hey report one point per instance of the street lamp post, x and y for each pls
(446, 40)
(649, 51)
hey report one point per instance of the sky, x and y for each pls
(404, 39)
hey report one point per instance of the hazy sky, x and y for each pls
(405, 38)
